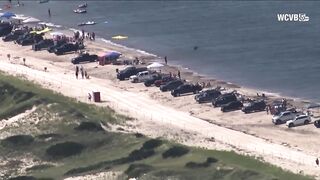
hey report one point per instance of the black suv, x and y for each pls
(129, 71)
(186, 88)
(152, 79)
(56, 45)
(13, 35)
(232, 106)
(224, 99)
(255, 106)
(69, 47)
(5, 29)
(171, 85)
(44, 44)
(84, 58)
(207, 96)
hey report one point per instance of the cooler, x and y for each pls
(96, 96)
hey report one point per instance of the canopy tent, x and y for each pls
(155, 65)
(31, 20)
(20, 17)
(7, 15)
(108, 57)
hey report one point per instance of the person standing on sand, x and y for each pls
(77, 71)
(82, 73)
(317, 162)
(49, 12)
(82, 33)
(93, 36)
(165, 60)
(179, 75)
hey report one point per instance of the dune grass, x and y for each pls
(103, 151)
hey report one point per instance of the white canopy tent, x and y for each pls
(31, 20)
(155, 65)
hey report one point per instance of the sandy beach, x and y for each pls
(159, 114)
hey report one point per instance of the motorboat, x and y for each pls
(79, 11)
(87, 23)
(43, 1)
(84, 5)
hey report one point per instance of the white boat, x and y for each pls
(87, 23)
(79, 11)
(84, 5)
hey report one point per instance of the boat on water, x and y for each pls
(84, 5)
(87, 23)
(43, 1)
(80, 11)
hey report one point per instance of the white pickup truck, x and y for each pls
(140, 77)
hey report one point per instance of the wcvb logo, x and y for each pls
(301, 17)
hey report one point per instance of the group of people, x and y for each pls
(83, 73)
(87, 36)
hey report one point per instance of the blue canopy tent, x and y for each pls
(108, 57)
(7, 15)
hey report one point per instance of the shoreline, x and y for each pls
(188, 72)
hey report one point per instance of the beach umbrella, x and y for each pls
(155, 65)
(7, 15)
(31, 20)
(56, 34)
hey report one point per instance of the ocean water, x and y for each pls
(240, 42)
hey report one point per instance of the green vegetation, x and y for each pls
(69, 140)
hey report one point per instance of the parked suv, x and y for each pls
(86, 57)
(299, 120)
(163, 80)
(148, 82)
(171, 85)
(283, 117)
(69, 47)
(224, 99)
(44, 44)
(207, 95)
(232, 106)
(129, 71)
(186, 88)
(254, 106)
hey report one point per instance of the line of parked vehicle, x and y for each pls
(23, 36)
(178, 87)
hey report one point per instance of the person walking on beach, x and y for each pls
(267, 109)
(82, 34)
(49, 12)
(317, 162)
(77, 71)
(82, 72)
(89, 96)
(165, 60)
(93, 36)
(179, 75)
(24, 61)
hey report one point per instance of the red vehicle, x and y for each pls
(164, 80)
